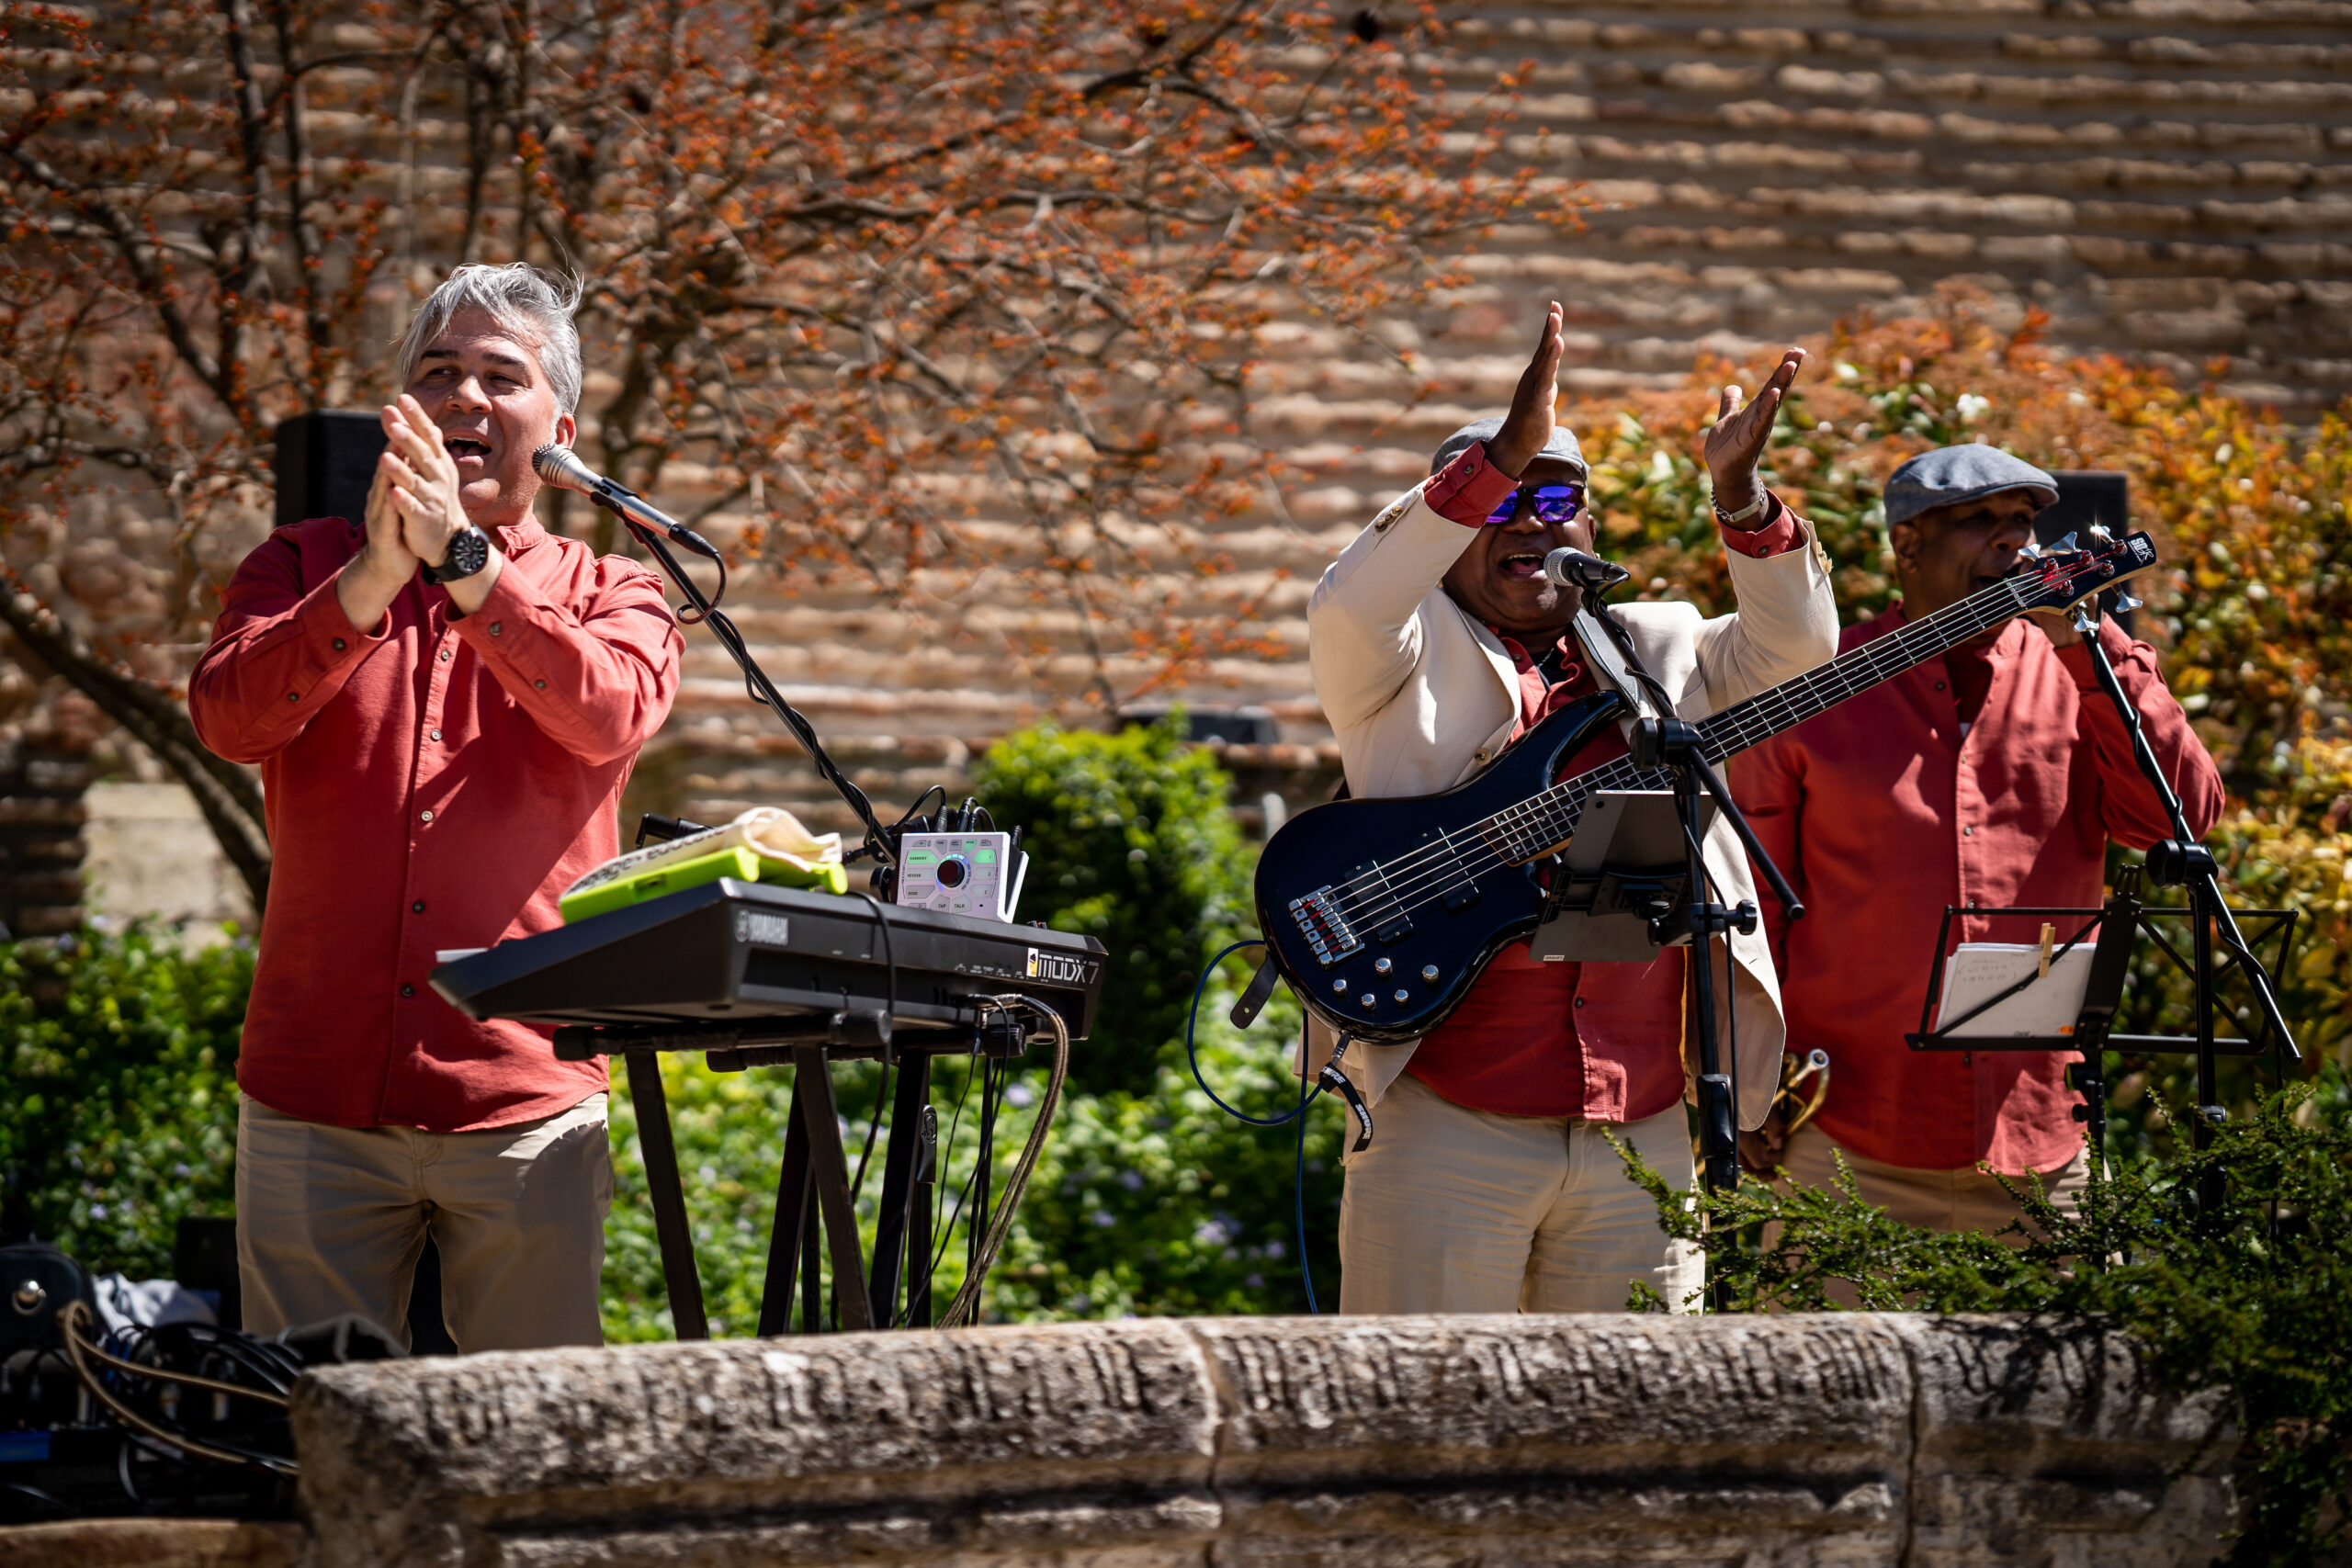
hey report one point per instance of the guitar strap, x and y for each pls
(1610, 649)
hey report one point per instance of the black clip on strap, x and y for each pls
(1337, 1082)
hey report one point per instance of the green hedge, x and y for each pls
(119, 1050)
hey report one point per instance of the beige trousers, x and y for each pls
(332, 1219)
(1453, 1210)
(1963, 1200)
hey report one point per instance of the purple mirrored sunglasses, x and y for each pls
(1553, 504)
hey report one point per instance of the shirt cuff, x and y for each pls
(1469, 487)
(1779, 534)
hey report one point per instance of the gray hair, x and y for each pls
(518, 297)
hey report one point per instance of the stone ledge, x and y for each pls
(1832, 1438)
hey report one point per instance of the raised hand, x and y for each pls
(423, 480)
(1737, 443)
(368, 585)
(1527, 429)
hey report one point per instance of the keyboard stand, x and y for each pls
(815, 1215)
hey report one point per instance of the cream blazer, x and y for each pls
(1422, 696)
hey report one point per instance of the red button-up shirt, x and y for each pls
(1881, 814)
(1602, 1043)
(434, 784)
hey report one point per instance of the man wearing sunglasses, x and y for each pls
(1436, 640)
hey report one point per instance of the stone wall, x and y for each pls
(1844, 1439)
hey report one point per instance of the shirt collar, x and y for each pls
(515, 537)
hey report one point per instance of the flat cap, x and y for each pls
(1562, 445)
(1950, 475)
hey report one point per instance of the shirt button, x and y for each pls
(293, 696)
(1579, 1002)
(1969, 831)
(1939, 685)
(542, 685)
(338, 645)
(408, 991)
(445, 656)
(425, 816)
(437, 735)
(417, 907)
(496, 627)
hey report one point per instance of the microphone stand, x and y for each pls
(2182, 861)
(878, 842)
(1678, 746)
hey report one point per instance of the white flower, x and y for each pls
(1970, 406)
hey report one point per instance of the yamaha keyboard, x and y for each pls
(739, 964)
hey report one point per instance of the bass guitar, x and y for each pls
(1382, 913)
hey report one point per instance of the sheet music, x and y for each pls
(1980, 969)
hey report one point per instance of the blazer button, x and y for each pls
(1480, 755)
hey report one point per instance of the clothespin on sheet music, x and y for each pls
(2049, 941)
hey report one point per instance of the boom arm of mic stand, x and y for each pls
(2206, 882)
(1791, 904)
(763, 689)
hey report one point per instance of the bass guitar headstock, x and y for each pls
(2067, 573)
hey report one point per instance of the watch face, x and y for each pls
(468, 553)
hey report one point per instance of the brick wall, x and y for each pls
(2166, 178)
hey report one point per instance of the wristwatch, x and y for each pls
(468, 553)
(1754, 508)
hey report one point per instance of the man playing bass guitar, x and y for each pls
(1435, 640)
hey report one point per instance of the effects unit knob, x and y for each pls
(954, 872)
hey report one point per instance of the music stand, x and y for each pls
(2118, 923)
(1625, 867)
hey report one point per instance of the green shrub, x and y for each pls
(2247, 1296)
(1130, 843)
(118, 1050)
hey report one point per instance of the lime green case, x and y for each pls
(737, 863)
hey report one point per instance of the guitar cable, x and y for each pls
(1308, 1091)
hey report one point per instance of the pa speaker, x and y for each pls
(324, 462)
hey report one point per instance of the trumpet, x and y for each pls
(1796, 1106)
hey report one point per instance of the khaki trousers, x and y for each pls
(1963, 1200)
(332, 1219)
(1453, 1210)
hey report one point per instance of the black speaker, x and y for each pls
(2088, 496)
(324, 462)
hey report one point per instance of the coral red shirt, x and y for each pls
(1881, 813)
(1601, 1041)
(435, 782)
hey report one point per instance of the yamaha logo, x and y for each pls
(1063, 968)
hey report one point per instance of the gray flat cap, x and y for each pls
(1950, 475)
(1562, 445)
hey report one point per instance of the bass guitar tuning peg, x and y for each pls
(2066, 544)
(2099, 536)
(2125, 602)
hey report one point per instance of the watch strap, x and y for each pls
(1753, 508)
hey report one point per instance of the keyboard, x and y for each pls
(739, 964)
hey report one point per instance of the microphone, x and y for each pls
(561, 466)
(1574, 569)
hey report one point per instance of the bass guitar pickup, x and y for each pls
(1326, 928)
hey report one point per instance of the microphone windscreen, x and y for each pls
(561, 466)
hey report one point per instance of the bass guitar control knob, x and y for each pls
(1428, 973)
(1369, 1001)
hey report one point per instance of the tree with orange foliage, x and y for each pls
(945, 298)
